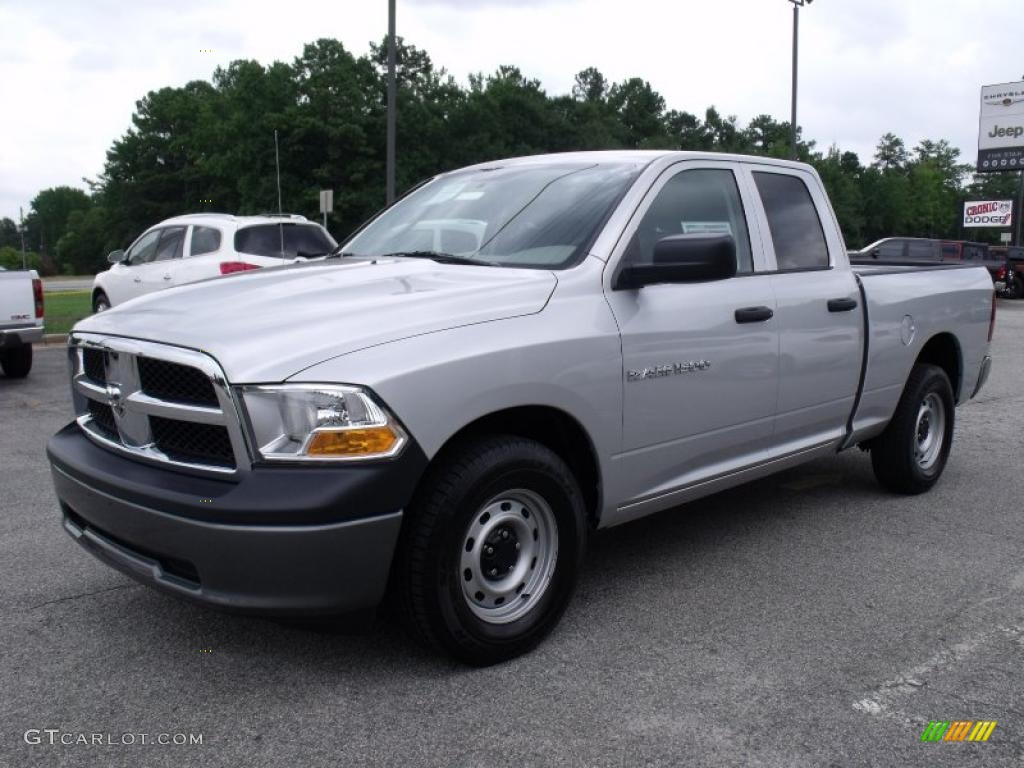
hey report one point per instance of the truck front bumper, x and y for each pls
(281, 541)
(16, 337)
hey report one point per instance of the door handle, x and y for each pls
(167, 277)
(754, 314)
(138, 279)
(841, 305)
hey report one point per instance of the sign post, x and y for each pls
(326, 203)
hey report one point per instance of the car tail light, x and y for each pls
(1001, 274)
(992, 318)
(37, 293)
(229, 267)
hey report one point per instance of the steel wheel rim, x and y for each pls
(502, 582)
(929, 431)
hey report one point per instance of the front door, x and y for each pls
(701, 359)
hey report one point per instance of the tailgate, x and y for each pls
(17, 303)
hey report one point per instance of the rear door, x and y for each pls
(818, 315)
(700, 379)
(204, 251)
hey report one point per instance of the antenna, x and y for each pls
(277, 164)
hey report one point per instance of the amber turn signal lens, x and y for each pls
(369, 441)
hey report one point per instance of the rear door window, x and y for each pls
(923, 250)
(204, 240)
(793, 220)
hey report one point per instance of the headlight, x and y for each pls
(307, 422)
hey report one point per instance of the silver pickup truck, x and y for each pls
(511, 356)
(21, 320)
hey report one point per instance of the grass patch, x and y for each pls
(66, 308)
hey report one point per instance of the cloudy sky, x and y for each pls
(71, 71)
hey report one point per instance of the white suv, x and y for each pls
(201, 245)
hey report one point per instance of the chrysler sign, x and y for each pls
(988, 213)
(1001, 129)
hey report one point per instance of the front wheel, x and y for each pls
(16, 362)
(911, 454)
(491, 549)
(100, 302)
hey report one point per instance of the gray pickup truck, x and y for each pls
(511, 356)
(21, 320)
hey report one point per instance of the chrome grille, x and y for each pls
(178, 383)
(157, 403)
(94, 365)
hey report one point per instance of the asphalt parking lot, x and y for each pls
(808, 619)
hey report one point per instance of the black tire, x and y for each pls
(429, 572)
(100, 302)
(1014, 288)
(16, 362)
(895, 453)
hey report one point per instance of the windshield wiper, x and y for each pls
(441, 258)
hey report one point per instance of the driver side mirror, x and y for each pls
(695, 258)
(115, 257)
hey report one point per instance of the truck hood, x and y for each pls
(267, 325)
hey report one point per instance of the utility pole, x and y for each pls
(1020, 209)
(797, 5)
(21, 229)
(390, 170)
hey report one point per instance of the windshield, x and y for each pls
(540, 216)
(284, 240)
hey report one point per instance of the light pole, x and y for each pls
(797, 5)
(390, 161)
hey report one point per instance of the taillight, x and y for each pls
(992, 318)
(37, 293)
(1001, 274)
(228, 267)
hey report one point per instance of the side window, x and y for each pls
(702, 200)
(922, 250)
(172, 239)
(144, 249)
(204, 240)
(796, 229)
(892, 250)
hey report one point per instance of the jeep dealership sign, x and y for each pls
(1001, 128)
(988, 213)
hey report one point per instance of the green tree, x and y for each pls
(48, 216)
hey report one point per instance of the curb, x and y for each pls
(51, 339)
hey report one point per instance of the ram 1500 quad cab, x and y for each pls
(512, 355)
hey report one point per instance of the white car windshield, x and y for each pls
(541, 216)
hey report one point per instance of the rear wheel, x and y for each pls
(491, 549)
(16, 362)
(911, 454)
(1014, 287)
(100, 302)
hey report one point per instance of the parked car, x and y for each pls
(1013, 257)
(633, 330)
(893, 250)
(914, 250)
(21, 320)
(197, 246)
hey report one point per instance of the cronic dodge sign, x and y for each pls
(1001, 128)
(988, 213)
